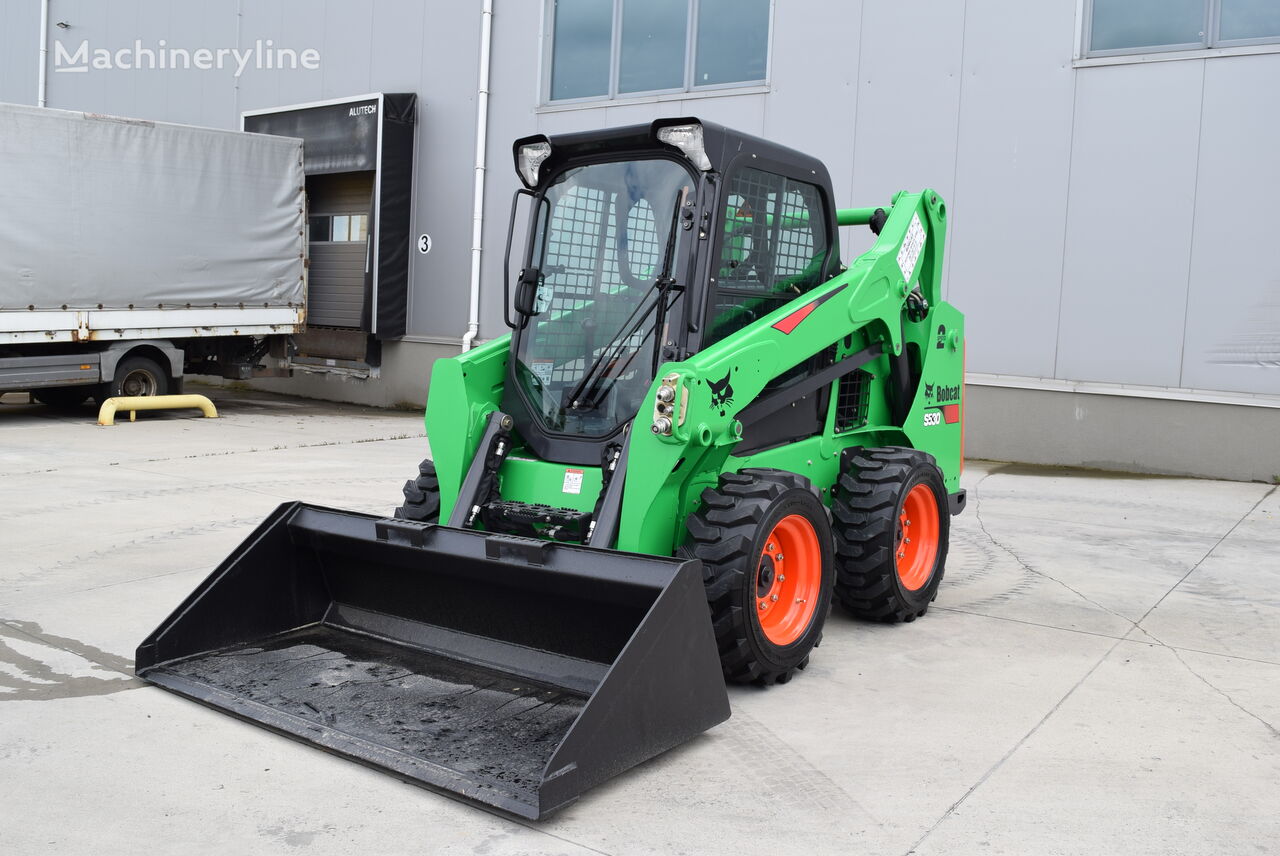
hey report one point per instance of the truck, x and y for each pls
(133, 252)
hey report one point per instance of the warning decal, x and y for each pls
(572, 481)
(912, 244)
(542, 370)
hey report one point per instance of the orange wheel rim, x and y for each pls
(788, 580)
(917, 538)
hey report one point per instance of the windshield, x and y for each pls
(601, 242)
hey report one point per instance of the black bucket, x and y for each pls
(515, 672)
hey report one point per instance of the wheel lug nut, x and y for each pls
(908, 540)
(799, 600)
(763, 605)
(782, 578)
(908, 522)
(778, 558)
(773, 597)
(769, 547)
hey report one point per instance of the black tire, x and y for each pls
(422, 496)
(137, 376)
(729, 534)
(62, 397)
(871, 528)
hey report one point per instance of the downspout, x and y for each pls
(42, 87)
(477, 214)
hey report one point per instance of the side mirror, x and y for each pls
(506, 261)
(526, 301)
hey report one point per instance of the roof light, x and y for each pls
(688, 139)
(529, 161)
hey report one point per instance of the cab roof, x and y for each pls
(723, 145)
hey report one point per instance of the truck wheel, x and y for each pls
(64, 397)
(422, 496)
(137, 376)
(891, 525)
(766, 548)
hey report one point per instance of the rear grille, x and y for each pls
(851, 401)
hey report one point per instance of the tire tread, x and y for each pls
(721, 533)
(864, 520)
(421, 495)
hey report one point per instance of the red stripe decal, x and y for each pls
(792, 321)
(951, 413)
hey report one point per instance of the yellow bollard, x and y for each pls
(107, 413)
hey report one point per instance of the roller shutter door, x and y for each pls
(338, 279)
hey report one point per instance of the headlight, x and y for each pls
(529, 161)
(688, 139)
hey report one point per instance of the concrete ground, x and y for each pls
(1100, 674)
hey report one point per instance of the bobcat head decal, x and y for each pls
(928, 390)
(721, 392)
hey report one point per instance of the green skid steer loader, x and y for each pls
(701, 430)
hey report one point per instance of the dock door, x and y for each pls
(340, 276)
(358, 160)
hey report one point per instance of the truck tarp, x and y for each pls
(112, 213)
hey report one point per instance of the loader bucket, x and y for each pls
(515, 672)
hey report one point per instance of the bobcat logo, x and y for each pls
(928, 390)
(721, 392)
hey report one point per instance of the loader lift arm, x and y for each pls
(869, 298)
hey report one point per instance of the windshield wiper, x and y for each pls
(662, 285)
(614, 350)
(665, 281)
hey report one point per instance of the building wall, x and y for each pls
(1112, 224)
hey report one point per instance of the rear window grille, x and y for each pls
(852, 400)
(774, 247)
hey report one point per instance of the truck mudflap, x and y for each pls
(514, 672)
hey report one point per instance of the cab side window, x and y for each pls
(774, 248)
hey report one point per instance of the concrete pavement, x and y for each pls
(1100, 673)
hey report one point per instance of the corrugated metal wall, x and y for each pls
(1111, 223)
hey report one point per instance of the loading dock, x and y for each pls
(358, 161)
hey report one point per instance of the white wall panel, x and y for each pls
(1133, 167)
(303, 24)
(908, 98)
(514, 83)
(397, 42)
(1009, 207)
(1233, 310)
(19, 50)
(820, 91)
(446, 85)
(348, 48)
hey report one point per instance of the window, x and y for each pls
(774, 248)
(621, 48)
(601, 241)
(1142, 26)
(338, 227)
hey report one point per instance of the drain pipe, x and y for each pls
(477, 215)
(42, 90)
